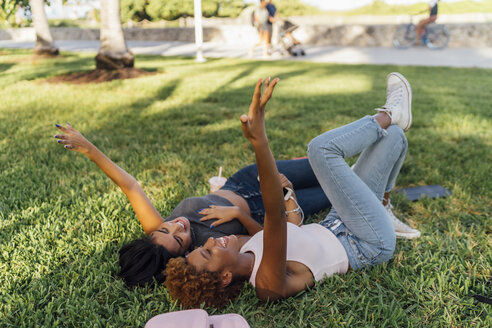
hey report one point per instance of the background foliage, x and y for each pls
(155, 10)
(138, 10)
(8, 8)
(379, 7)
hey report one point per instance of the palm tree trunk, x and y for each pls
(44, 40)
(113, 53)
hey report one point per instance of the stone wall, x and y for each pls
(360, 35)
(473, 35)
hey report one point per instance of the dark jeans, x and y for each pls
(310, 196)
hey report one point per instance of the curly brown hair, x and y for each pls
(192, 288)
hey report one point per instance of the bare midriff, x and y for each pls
(235, 199)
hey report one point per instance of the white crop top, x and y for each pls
(312, 245)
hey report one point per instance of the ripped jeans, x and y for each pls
(358, 218)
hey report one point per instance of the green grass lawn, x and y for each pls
(62, 221)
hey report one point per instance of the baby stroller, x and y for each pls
(287, 44)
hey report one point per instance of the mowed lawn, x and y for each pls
(62, 221)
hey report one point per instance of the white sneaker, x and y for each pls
(398, 101)
(401, 229)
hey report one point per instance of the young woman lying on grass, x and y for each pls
(236, 209)
(283, 259)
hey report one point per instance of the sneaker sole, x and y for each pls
(409, 89)
(407, 235)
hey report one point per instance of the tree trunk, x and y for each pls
(44, 40)
(113, 53)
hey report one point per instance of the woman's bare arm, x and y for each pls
(271, 278)
(149, 217)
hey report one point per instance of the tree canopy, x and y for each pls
(138, 10)
(288, 8)
(8, 8)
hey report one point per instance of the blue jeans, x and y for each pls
(309, 193)
(358, 218)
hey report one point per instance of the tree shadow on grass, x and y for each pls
(69, 68)
(5, 67)
(292, 119)
(44, 69)
(24, 169)
(101, 76)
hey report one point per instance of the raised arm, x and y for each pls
(271, 278)
(149, 217)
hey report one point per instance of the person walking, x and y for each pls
(261, 21)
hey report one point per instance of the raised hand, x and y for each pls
(253, 124)
(223, 214)
(73, 139)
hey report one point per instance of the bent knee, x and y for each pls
(395, 132)
(314, 144)
(387, 249)
(320, 146)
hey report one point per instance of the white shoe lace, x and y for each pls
(394, 97)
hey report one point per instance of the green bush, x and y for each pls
(134, 10)
(63, 23)
(138, 10)
(230, 8)
(380, 7)
(288, 8)
(169, 10)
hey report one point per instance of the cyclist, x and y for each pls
(424, 22)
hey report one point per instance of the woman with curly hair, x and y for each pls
(283, 259)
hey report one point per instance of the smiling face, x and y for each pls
(217, 255)
(174, 235)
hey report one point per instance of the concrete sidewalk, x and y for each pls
(417, 56)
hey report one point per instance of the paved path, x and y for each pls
(419, 56)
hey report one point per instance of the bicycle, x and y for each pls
(435, 36)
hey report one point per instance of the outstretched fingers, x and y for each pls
(62, 128)
(267, 94)
(245, 124)
(66, 142)
(66, 139)
(253, 123)
(257, 92)
(60, 136)
(255, 102)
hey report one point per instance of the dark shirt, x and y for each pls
(433, 10)
(271, 11)
(200, 231)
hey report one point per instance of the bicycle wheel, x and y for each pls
(437, 37)
(405, 36)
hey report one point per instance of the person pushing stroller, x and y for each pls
(287, 43)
